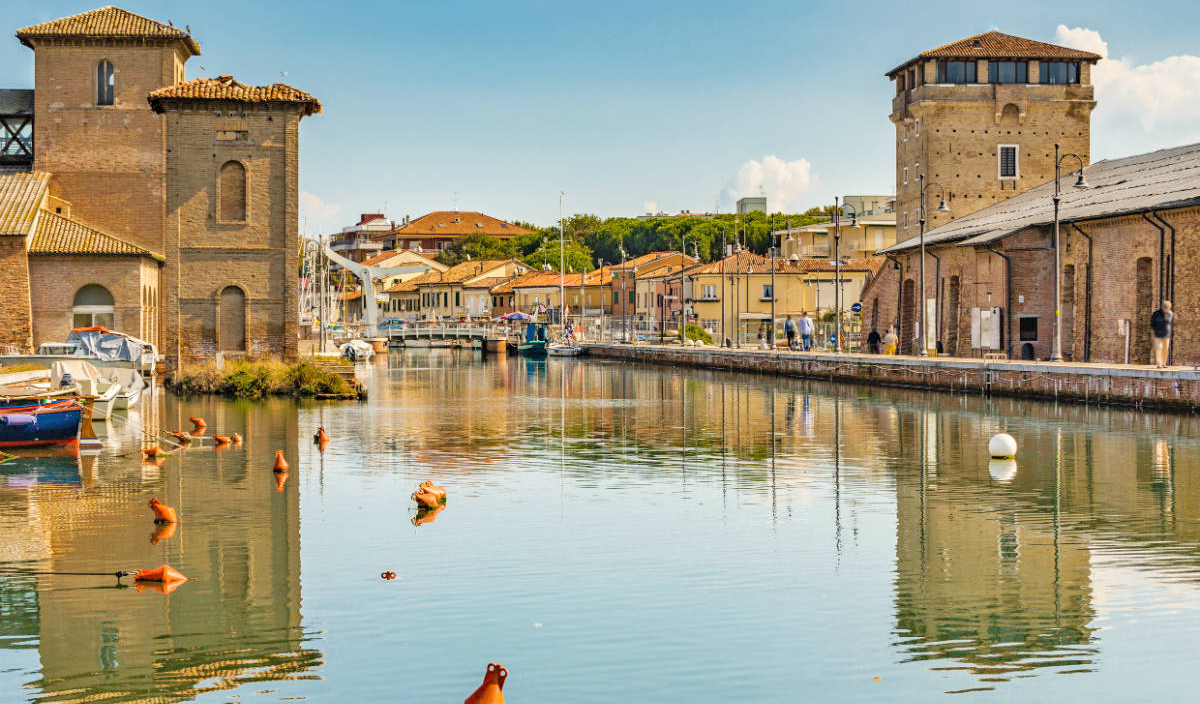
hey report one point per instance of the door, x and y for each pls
(233, 320)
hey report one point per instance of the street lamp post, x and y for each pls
(771, 333)
(838, 291)
(943, 208)
(1056, 354)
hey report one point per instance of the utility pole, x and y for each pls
(722, 294)
(771, 243)
(837, 275)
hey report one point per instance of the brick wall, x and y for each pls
(56, 279)
(206, 253)
(15, 326)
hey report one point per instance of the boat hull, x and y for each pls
(532, 349)
(40, 425)
(124, 400)
(564, 351)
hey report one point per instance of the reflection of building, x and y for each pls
(239, 539)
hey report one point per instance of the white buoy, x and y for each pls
(1002, 471)
(1002, 446)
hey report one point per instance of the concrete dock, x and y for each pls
(1176, 388)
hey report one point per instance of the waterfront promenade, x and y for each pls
(1175, 388)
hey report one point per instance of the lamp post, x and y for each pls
(837, 266)
(624, 318)
(1056, 354)
(722, 290)
(771, 330)
(942, 208)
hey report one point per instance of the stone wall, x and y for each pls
(1138, 386)
(15, 326)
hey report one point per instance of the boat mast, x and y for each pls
(562, 299)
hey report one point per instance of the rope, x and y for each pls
(118, 574)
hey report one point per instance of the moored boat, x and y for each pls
(55, 423)
(564, 349)
(534, 342)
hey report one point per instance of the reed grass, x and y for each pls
(257, 379)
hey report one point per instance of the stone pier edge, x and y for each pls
(1176, 389)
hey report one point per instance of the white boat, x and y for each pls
(131, 386)
(87, 378)
(357, 350)
(99, 346)
(126, 399)
(560, 349)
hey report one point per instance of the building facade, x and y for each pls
(198, 176)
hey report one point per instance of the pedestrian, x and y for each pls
(1162, 322)
(873, 341)
(806, 331)
(890, 341)
(789, 329)
(762, 339)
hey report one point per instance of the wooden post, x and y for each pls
(87, 434)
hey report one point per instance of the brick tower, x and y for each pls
(980, 116)
(231, 217)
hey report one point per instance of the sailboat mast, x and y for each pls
(562, 299)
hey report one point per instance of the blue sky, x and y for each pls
(499, 106)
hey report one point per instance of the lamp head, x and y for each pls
(1081, 182)
(942, 207)
(854, 220)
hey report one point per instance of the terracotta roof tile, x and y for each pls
(58, 235)
(226, 88)
(511, 284)
(107, 23)
(411, 285)
(443, 222)
(21, 196)
(468, 270)
(997, 45)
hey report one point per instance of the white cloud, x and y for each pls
(1139, 107)
(650, 207)
(785, 183)
(318, 217)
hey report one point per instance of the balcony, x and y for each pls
(356, 245)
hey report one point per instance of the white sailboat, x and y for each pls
(566, 346)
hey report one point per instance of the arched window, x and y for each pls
(231, 187)
(105, 83)
(233, 319)
(93, 305)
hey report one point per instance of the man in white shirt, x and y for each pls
(806, 331)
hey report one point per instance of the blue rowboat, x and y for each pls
(48, 424)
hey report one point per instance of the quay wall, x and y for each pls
(1173, 389)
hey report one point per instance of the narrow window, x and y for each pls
(766, 292)
(232, 193)
(1028, 329)
(917, 125)
(105, 83)
(906, 174)
(1008, 161)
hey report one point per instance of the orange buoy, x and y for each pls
(162, 512)
(150, 452)
(431, 488)
(387, 575)
(198, 422)
(490, 692)
(281, 464)
(166, 573)
(425, 500)
(280, 480)
(237, 439)
(427, 515)
(320, 438)
(160, 587)
(221, 440)
(162, 532)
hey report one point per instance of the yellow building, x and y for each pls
(868, 235)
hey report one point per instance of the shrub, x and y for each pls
(695, 332)
(258, 379)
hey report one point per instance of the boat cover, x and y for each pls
(129, 379)
(18, 419)
(107, 345)
(81, 372)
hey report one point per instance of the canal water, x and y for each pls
(614, 533)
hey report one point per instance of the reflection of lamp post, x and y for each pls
(1056, 354)
(942, 208)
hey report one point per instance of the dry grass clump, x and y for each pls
(258, 379)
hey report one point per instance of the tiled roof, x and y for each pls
(643, 260)
(450, 223)
(21, 196)
(542, 279)
(511, 284)
(58, 235)
(1164, 179)
(385, 256)
(468, 270)
(108, 23)
(997, 45)
(226, 88)
(411, 285)
(487, 282)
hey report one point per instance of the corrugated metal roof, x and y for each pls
(1168, 178)
(58, 235)
(21, 196)
(16, 101)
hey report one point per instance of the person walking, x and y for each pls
(873, 341)
(1162, 322)
(789, 329)
(890, 340)
(806, 331)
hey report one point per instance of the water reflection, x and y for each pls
(237, 621)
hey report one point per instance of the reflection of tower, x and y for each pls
(238, 539)
(982, 578)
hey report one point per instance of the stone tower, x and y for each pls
(93, 128)
(231, 217)
(981, 116)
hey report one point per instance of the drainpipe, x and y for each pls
(937, 295)
(1162, 244)
(1008, 299)
(899, 289)
(1171, 279)
(1087, 313)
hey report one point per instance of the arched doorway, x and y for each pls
(93, 305)
(908, 306)
(233, 320)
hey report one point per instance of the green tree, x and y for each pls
(578, 255)
(476, 246)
